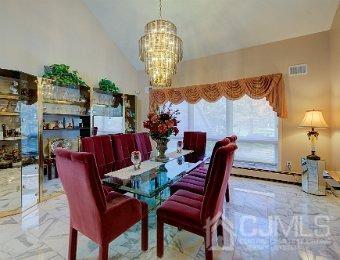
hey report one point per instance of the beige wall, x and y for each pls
(335, 91)
(42, 32)
(303, 92)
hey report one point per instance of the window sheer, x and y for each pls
(253, 121)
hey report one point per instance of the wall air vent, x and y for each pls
(296, 70)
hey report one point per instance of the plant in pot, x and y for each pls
(108, 85)
(162, 124)
(62, 76)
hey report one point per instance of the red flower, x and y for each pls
(154, 118)
(162, 128)
(170, 123)
(146, 124)
(162, 123)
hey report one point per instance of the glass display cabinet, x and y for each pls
(19, 157)
(36, 117)
(107, 112)
(65, 119)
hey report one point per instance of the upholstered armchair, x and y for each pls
(197, 213)
(99, 217)
(197, 180)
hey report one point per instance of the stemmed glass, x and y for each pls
(179, 146)
(136, 159)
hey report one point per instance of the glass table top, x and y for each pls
(151, 182)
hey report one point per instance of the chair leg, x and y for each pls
(56, 171)
(220, 233)
(160, 238)
(104, 252)
(72, 247)
(227, 195)
(49, 171)
(145, 235)
(208, 245)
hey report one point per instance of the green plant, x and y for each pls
(108, 85)
(62, 76)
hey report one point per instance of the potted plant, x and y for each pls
(108, 85)
(162, 124)
(62, 76)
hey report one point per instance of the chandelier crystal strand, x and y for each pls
(160, 49)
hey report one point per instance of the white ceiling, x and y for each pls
(209, 27)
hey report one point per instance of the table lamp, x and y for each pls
(313, 119)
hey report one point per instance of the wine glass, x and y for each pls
(179, 146)
(136, 159)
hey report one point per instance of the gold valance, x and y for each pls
(270, 87)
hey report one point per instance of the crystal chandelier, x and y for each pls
(161, 49)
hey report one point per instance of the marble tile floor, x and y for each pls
(264, 220)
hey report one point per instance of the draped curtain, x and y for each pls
(270, 87)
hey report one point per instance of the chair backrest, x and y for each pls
(79, 177)
(123, 145)
(232, 138)
(217, 145)
(101, 147)
(217, 183)
(195, 141)
(143, 144)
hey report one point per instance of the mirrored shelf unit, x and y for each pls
(19, 158)
(36, 118)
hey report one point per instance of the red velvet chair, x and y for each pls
(99, 217)
(196, 141)
(202, 171)
(196, 213)
(101, 147)
(143, 144)
(123, 145)
(195, 181)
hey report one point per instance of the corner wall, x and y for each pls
(302, 92)
(44, 32)
(335, 91)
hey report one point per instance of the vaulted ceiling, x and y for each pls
(210, 27)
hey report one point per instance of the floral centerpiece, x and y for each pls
(162, 124)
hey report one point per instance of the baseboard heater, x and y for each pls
(287, 177)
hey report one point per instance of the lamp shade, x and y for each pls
(313, 118)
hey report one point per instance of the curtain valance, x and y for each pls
(270, 87)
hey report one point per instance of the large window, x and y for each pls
(253, 121)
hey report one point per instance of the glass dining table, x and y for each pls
(150, 182)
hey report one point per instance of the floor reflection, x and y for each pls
(264, 220)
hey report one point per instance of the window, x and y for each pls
(253, 121)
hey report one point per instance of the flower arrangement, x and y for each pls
(163, 123)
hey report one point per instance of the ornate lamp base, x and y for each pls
(313, 156)
(313, 137)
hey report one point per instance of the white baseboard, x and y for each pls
(267, 175)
